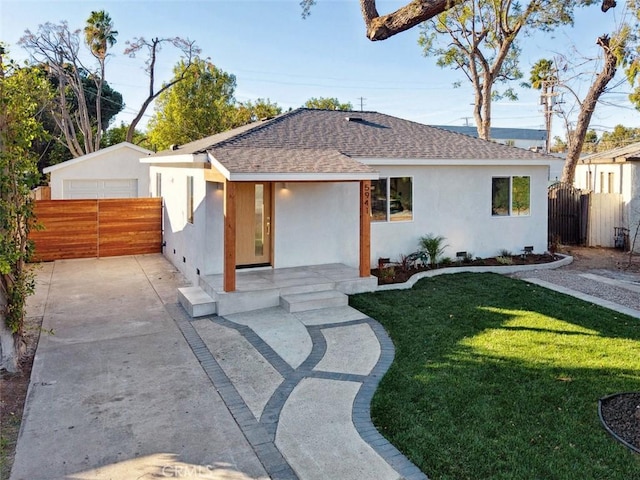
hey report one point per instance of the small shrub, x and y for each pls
(468, 258)
(505, 253)
(445, 261)
(387, 273)
(433, 246)
(504, 260)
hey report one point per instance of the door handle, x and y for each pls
(268, 226)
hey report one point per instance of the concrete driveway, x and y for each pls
(116, 392)
(129, 387)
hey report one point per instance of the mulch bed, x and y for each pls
(620, 414)
(396, 273)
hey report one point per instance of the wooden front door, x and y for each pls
(253, 224)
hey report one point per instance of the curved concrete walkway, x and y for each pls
(300, 385)
(129, 386)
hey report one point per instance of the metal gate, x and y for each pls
(568, 214)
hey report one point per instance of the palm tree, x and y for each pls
(99, 36)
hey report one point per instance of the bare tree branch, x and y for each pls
(189, 51)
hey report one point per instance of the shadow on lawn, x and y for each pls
(497, 378)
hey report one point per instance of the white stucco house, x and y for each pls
(313, 187)
(614, 172)
(112, 172)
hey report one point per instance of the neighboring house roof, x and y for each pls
(616, 155)
(499, 133)
(314, 141)
(99, 153)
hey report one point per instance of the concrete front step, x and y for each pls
(196, 301)
(301, 302)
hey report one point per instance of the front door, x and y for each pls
(253, 227)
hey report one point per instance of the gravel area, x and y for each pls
(602, 273)
(621, 415)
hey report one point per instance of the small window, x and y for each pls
(510, 196)
(158, 184)
(190, 199)
(392, 199)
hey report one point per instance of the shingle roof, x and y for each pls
(286, 160)
(627, 153)
(321, 140)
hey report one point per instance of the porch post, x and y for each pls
(365, 228)
(229, 282)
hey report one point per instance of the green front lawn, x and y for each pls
(495, 378)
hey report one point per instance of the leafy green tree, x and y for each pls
(621, 136)
(116, 135)
(327, 103)
(479, 38)
(200, 105)
(22, 92)
(247, 112)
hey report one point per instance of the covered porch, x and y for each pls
(242, 174)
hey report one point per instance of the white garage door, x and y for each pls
(101, 188)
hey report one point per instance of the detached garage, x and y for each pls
(113, 172)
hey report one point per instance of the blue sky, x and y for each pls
(276, 54)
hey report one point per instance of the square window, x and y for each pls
(510, 196)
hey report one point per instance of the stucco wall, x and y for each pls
(189, 246)
(119, 163)
(455, 202)
(317, 223)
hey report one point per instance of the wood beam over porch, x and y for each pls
(229, 281)
(365, 228)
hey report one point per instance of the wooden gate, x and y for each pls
(568, 214)
(97, 228)
(606, 213)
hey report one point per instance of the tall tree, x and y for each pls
(199, 105)
(478, 37)
(58, 48)
(616, 50)
(22, 92)
(327, 103)
(189, 52)
(99, 36)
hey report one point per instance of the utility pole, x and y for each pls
(548, 101)
(362, 99)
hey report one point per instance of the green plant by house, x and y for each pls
(433, 245)
(504, 260)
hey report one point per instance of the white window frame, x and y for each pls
(510, 200)
(388, 218)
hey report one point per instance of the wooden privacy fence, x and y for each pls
(97, 228)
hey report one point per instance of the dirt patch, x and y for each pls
(14, 391)
(596, 258)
